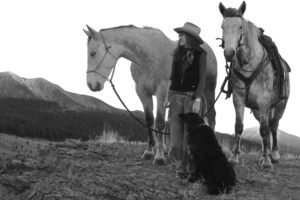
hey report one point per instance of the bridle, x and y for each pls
(240, 44)
(107, 51)
(230, 70)
(110, 80)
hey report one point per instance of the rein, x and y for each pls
(110, 80)
(100, 63)
(246, 80)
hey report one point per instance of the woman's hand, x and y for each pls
(196, 106)
(166, 102)
(167, 99)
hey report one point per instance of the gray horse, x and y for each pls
(151, 54)
(254, 81)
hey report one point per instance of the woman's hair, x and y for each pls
(191, 41)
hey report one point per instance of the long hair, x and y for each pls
(179, 52)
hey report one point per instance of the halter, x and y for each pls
(231, 71)
(240, 44)
(106, 47)
(113, 86)
(248, 80)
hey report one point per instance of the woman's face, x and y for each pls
(182, 39)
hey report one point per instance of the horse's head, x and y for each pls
(101, 59)
(232, 26)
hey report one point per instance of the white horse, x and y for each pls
(254, 81)
(151, 53)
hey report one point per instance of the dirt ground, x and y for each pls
(90, 171)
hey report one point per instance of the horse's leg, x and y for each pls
(209, 93)
(265, 134)
(239, 127)
(147, 102)
(275, 156)
(160, 126)
(274, 123)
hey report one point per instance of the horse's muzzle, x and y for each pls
(95, 88)
(229, 54)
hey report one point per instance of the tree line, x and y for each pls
(38, 118)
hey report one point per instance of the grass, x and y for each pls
(289, 156)
(252, 180)
(110, 137)
(11, 145)
(15, 145)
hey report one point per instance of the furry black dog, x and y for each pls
(206, 160)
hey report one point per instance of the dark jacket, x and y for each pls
(186, 77)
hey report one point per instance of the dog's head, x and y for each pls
(198, 131)
(191, 120)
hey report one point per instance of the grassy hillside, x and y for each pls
(47, 120)
(93, 170)
(284, 139)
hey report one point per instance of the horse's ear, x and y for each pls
(91, 32)
(222, 8)
(242, 8)
(87, 32)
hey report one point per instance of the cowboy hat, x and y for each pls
(191, 29)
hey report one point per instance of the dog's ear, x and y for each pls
(182, 116)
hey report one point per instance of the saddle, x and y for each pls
(280, 67)
(279, 64)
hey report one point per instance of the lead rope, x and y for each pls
(142, 123)
(110, 80)
(132, 115)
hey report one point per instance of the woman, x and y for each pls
(186, 86)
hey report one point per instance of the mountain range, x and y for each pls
(12, 85)
(38, 108)
(284, 138)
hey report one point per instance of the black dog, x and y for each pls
(205, 157)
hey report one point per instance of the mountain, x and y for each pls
(38, 108)
(284, 138)
(12, 85)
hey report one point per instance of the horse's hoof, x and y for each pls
(275, 157)
(166, 151)
(275, 161)
(233, 160)
(148, 155)
(159, 161)
(265, 163)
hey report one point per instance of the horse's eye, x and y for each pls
(93, 53)
(241, 27)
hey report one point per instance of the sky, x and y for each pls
(45, 39)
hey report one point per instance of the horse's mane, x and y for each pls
(252, 35)
(118, 27)
(232, 12)
(131, 27)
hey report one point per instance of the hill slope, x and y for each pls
(284, 139)
(12, 85)
(39, 108)
(46, 119)
(91, 170)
